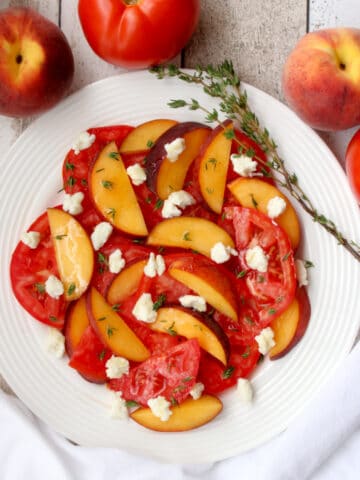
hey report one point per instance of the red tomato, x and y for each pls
(138, 33)
(352, 159)
(89, 357)
(171, 374)
(29, 270)
(76, 166)
(274, 289)
(216, 377)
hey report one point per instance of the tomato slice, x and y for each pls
(29, 270)
(274, 289)
(76, 167)
(216, 377)
(89, 357)
(171, 374)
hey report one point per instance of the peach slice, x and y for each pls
(164, 176)
(213, 167)
(290, 327)
(188, 415)
(77, 321)
(112, 330)
(255, 193)
(143, 136)
(74, 252)
(112, 192)
(189, 232)
(209, 282)
(179, 321)
(126, 282)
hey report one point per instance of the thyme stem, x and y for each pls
(222, 82)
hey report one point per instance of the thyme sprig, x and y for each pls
(221, 81)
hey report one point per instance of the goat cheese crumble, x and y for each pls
(31, 239)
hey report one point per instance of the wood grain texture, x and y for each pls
(256, 35)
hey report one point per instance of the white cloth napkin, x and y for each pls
(322, 444)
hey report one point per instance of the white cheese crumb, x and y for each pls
(244, 390)
(265, 340)
(243, 165)
(174, 149)
(301, 273)
(197, 390)
(31, 239)
(55, 343)
(193, 301)
(175, 202)
(221, 253)
(101, 234)
(84, 141)
(72, 203)
(160, 407)
(118, 407)
(116, 367)
(143, 309)
(160, 265)
(155, 266)
(170, 210)
(181, 198)
(257, 259)
(54, 287)
(275, 207)
(116, 261)
(137, 174)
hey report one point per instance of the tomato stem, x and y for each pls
(130, 2)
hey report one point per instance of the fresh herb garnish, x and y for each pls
(116, 307)
(159, 302)
(102, 355)
(228, 372)
(211, 161)
(253, 201)
(308, 264)
(71, 289)
(246, 353)
(272, 311)
(187, 237)
(131, 403)
(60, 237)
(171, 330)
(101, 319)
(69, 166)
(241, 274)
(114, 155)
(52, 318)
(159, 203)
(71, 181)
(40, 287)
(111, 212)
(221, 81)
(107, 184)
(150, 143)
(110, 331)
(102, 258)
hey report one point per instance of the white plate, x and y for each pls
(31, 174)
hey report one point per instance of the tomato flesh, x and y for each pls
(352, 163)
(171, 375)
(29, 270)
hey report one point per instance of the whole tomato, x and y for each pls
(352, 159)
(138, 33)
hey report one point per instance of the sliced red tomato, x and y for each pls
(171, 374)
(90, 356)
(76, 166)
(131, 252)
(274, 289)
(29, 270)
(216, 377)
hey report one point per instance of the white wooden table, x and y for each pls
(256, 35)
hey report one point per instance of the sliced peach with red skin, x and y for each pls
(208, 281)
(255, 193)
(290, 327)
(188, 415)
(188, 324)
(189, 232)
(112, 329)
(213, 164)
(74, 252)
(77, 321)
(143, 136)
(126, 282)
(164, 176)
(113, 194)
